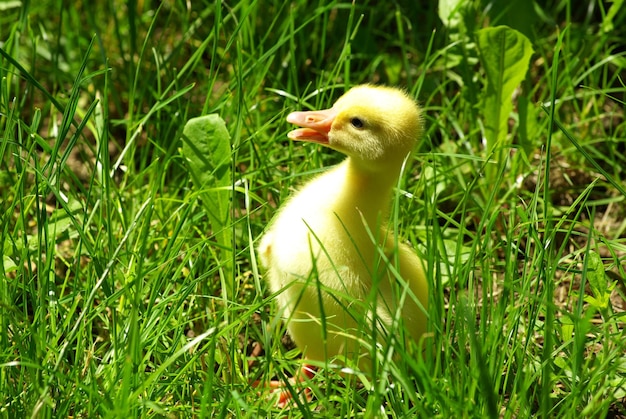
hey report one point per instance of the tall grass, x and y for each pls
(112, 302)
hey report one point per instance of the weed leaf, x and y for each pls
(206, 148)
(600, 287)
(505, 54)
(449, 12)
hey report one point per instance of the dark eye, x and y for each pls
(357, 122)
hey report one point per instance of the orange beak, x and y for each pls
(315, 125)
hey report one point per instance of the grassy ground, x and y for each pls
(120, 299)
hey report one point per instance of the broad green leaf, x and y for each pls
(206, 147)
(505, 54)
(598, 282)
(60, 220)
(567, 328)
(9, 264)
(7, 5)
(595, 274)
(449, 12)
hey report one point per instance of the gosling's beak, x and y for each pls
(315, 125)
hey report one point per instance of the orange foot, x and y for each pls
(285, 390)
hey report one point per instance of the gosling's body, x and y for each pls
(323, 250)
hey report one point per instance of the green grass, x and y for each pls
(112, 297)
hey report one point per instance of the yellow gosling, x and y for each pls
(322, 250)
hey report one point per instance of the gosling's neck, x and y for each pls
(366, 192)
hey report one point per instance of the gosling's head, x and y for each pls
(376, 126)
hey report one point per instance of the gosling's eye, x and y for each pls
(357, 123)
